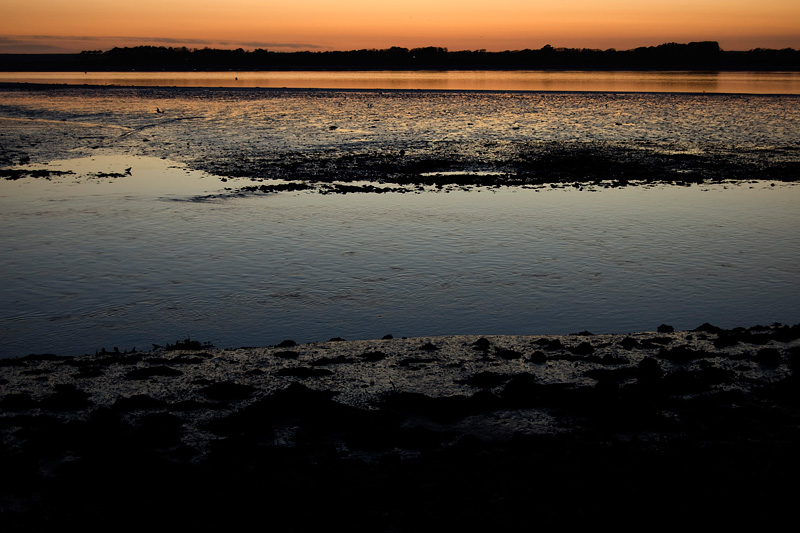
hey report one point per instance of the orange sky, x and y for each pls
(76, 25)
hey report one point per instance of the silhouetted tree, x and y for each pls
(705, 55)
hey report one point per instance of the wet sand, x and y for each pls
(417, 434)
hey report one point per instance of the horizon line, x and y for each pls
(316, 49)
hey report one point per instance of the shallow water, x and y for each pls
(92, 263)
(164, 251)
(606, 81)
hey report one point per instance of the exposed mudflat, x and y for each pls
(316, 138)
(695, 428)
(414, 434)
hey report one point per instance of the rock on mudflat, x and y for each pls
(381, 435)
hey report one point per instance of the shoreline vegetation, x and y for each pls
(705, 55)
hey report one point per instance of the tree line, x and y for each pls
(705, 55)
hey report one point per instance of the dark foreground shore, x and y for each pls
(695, 428)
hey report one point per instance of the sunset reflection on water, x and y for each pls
(601, 81)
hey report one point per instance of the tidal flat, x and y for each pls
(549, 263)
(236, 215)
(412, 137)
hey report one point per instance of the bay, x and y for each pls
(139, 234)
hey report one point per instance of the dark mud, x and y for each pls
(671, 428)
(409, 139)
(577, 165)
(521, 163)
(16, 174)
(558, 164)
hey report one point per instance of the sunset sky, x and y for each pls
(30, 26)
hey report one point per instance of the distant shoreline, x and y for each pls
(694, 56)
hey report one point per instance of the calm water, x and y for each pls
(108, 263)
(656, 81)
(88, 262)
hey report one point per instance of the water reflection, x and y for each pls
(606, 81)
(110, 175)
(128, 267)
